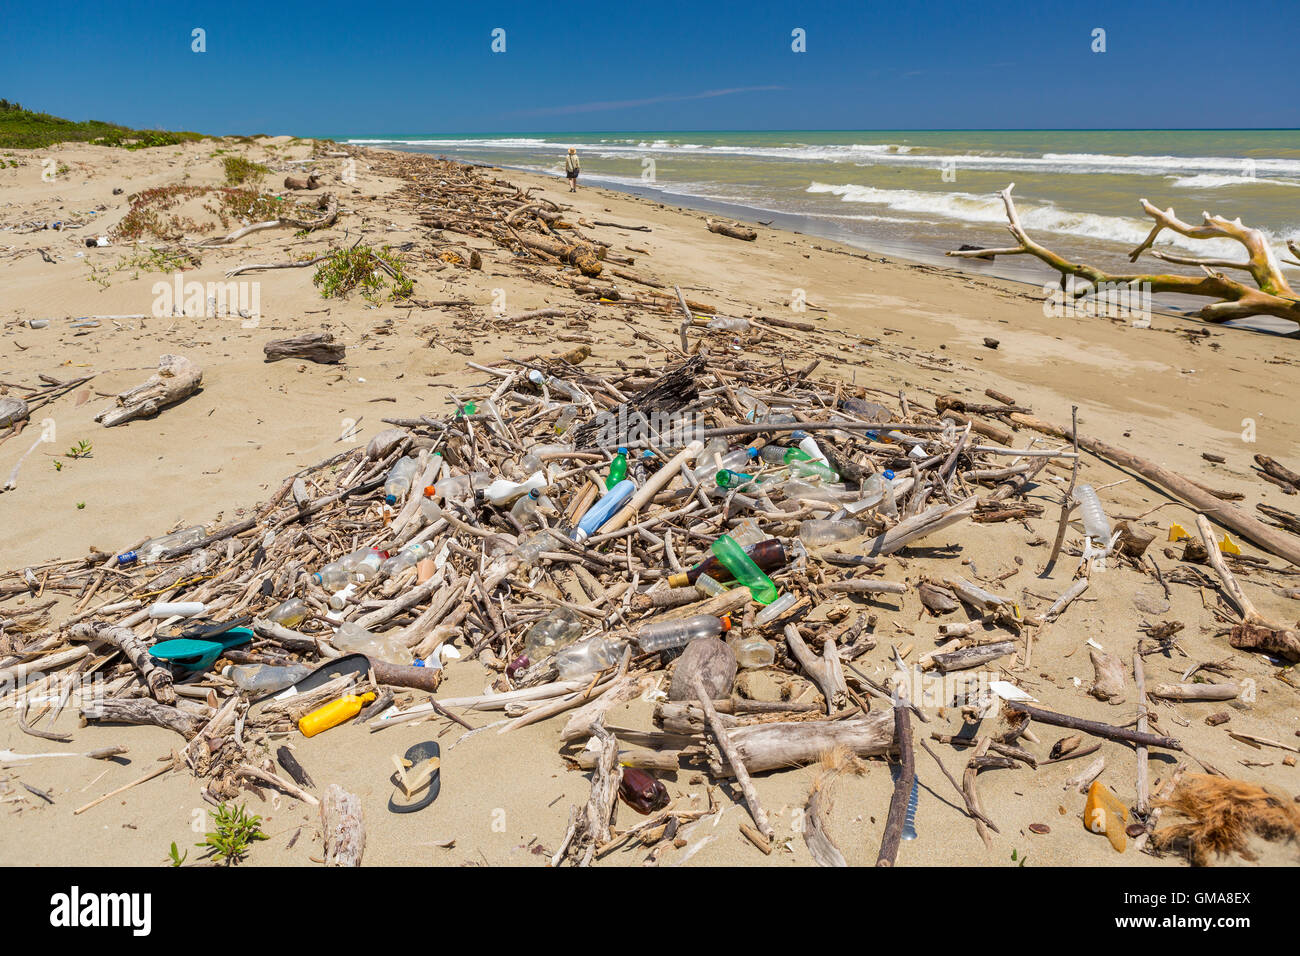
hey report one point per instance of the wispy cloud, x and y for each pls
(648, 101)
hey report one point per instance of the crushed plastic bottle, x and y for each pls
(154, 548)
(531, 548)
(724, 324)
(587, 657)
(351, 638)
(663, 635)
(265, 678)
(558, 629)
(430, 509)
(503, 491)
(817, 533)
(408, 557)
(566, 418)
(743, 569)
(752, 651)
(532, 460)
(289, 613)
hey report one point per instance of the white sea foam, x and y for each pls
(1216, 181)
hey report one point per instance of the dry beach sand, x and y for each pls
(1160, 392)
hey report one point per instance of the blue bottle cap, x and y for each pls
(751, 451)
(391, 499)
(316, 577)
(889, 474)
(647, 453)
(622, 450)
(418, 663)
(874, 436)
(798, 435)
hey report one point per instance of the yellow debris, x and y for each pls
(1177, 532)
(1228, 546)
(1103, 813)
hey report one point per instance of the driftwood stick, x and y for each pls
(902, 788)
(733, 758)
(1094, 727)
(141, 710)
(158, 679)
(343, 828)
(971, 794)
(1143, 768)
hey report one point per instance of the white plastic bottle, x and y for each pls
(503, 491)
(1095, 522)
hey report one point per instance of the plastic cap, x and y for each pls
(430, 491)
(622, 450)
(391, 499)
(889, 474)
(798, 435)
(726, 622)
(534, 493)
(647, 453)
(316, 577)
(751, 451)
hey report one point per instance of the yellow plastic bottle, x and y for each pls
(333, 713)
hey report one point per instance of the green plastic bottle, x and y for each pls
(796, 454)
(617, 469)
(742, 567)
(810, 469)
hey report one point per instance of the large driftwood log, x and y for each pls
(140, 710)
(1271, 294)
(329, 216)
(13, 411)
(342, 827)
(318, 347)
(734, 760)
(778, 746)
(581, 254)
(158, 679)
(918, 526)
(310, 181)
(732, 229)
(177, 378)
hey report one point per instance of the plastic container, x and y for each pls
(1095, 522)
(610, 502)
(532, 460)
(733, 480)
(408, 557)
(366, 567)
(566, 418)
(775, 609)
(332, 577)
(265, 678)
(154, 548)
(289, 613)
(709, 586)
(743, 569)
(724, 324)
(531, 548)
(342, 597)
(814, 469)
(351, 638)
(558, 629)
(594, 654)
(617, 469)
(752, 651)
(333, 713)
(808, 446)
(430, 508)
(554, 384)
(711, 464)
(767, 555)
(662, 635)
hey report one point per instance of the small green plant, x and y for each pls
(58, 465)
(81, 506)
(236, 832)
(176, 857)
(1015, 855)
(365, 269)
(81, 449)
(240, 170)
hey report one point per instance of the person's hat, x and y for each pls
(572, 150)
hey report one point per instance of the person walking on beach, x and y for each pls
(571, 169)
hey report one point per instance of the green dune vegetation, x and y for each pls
(24, 129)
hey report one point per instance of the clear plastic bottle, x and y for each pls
(289, 613)
(408, 557)
(709, 586)
(558, 629)
(397, 485)
(723, 324)
(554, 384)
(817, 533)
(736, 460)
(814, 469)
(154, 548)
(662, 635)
(532, 460)
(566, 418)
(530, 548)
(875, 490)
(332, 576)
(430, 507)
(366, 567)
(775, 609)
(351, 638)
(1095, 522)
(265, 678)
(594, 654)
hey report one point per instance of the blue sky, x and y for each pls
(346, 68)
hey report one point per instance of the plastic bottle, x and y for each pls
(503, 491)
(532, 460)
(165, 609)
(808, 446)
(604, 509)
(408, 557)
(265, 678)
(731, 461)
(768, 555)
(289, 613)
(792, 455)
(333, 713)
(814, 469)
(733, 480)
(724, 324)
(747, 533)
(351, 638)
(775, 609)
(154, 548)
(525, 509)
(539, 379)
(709, 586)
(819, 533)
(743, 569)
(1095, 522)
(644, 466)
(662, 635)
(558, 629)
(617, 469)
(367, 565)
(398, 483)
(566, 418)
(531, 548)
(590, 656)
(430, 508)
(874, 491)
(342, 597)
(332, 577)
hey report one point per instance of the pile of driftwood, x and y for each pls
(489, 572)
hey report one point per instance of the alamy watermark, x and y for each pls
(1115, 300)
(211, 300)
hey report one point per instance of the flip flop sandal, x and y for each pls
(197, 655)
(417, 779)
